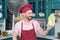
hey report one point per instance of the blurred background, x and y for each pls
(42, 9)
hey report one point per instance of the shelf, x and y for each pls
(4, 9)
(37, 8)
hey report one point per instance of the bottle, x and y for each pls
(0, 33)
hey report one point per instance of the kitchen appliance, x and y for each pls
(42, 23)
(57, 24)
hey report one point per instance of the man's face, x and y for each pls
(28, 15)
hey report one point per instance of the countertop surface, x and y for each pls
(48, 37)
(4, 37)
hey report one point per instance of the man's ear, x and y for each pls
(23, 14)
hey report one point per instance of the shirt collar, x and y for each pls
(29, 22)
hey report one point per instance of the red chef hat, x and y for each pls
(25, 8)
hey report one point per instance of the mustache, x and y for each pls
(30, 16)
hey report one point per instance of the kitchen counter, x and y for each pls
(4, 37)
(47, 37)
(50, 37)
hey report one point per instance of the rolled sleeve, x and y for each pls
(16, 30)
(38, 26)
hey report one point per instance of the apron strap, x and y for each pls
(33, 26)
(21, 26)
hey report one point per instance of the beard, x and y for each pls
(29, 18)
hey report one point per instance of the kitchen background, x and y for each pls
(42, 9)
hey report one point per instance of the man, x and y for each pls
(28, 27)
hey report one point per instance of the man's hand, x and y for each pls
(49, 27)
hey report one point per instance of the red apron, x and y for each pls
(28, 34)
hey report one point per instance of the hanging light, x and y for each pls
(13, 5)
(41, 13)
(0, 6)
(14, 2)
(1, 15)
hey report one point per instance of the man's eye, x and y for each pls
(29, 13)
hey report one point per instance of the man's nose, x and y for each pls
(32, 14)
